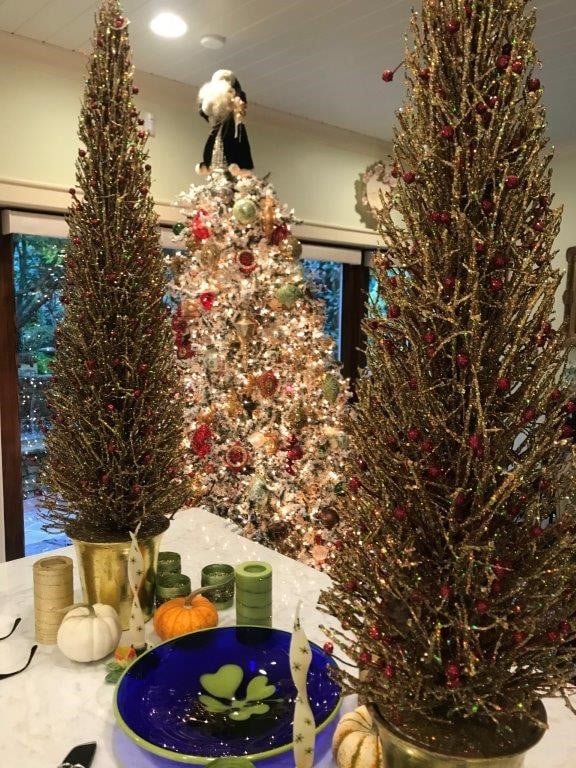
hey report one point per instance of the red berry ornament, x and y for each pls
(496, 284)
(400, 513)
(481, 606)
(533, 84)
(503, 384)
(452, 670)
(424, 74)
(353, 484)
(453, 26)
(394, 311)
(517, 67)
(328, 648)
(388, 75)
(462, 360)
(536, 531)
(389, 671)
(374, 633)
(529, 414)
(512, 181)
(475, 442)
(502, 61)
(409, 177)
(519, 637)
(447, 132)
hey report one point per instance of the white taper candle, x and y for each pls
(135, 576)
(304, 732)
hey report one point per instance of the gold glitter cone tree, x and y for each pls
(456, 597)
(264, 398)
(114, 457)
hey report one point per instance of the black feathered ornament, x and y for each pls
(223, 104)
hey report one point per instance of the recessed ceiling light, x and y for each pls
(168, 25)
(213, 41)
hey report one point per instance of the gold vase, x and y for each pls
(400, 751)
(103, 569)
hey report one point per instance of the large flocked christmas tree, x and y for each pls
(264, 398)
(456, 595)
(114, 455)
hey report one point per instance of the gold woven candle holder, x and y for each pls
(53, 591)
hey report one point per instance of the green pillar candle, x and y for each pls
(254, 594)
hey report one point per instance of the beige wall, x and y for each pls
(313, 165)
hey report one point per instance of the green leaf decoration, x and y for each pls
(221, 687)
(212, 704)
(114, 671)
(259, 689)
(223, 683)
(245, 712)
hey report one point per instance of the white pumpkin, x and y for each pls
(355, 743)
(89, 632)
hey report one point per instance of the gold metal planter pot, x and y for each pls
(402, 752)
(103, 569)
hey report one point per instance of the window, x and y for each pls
(325, 280)
(38, 271)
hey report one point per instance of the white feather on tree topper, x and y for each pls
(216, 98)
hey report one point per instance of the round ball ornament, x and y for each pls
(245, 210)
(267, 384)
(89, 632)
(246, 262)
(236, 457)
(355, 743)
(288, 295)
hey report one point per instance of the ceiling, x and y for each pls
(319, 59)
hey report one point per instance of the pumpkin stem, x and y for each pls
(209, 588)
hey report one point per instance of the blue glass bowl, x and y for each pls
(157, 699)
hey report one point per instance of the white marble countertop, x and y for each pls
(56, 703)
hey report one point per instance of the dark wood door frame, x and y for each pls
(569, 296)
(354, 296)
(9, 419)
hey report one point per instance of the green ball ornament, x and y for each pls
(288, 295)
(245, 210)
(331, 388)
(177, 228)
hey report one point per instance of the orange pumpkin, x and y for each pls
(184, 614)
